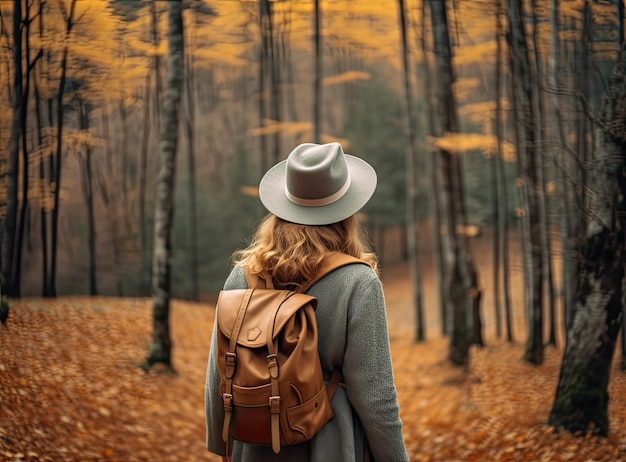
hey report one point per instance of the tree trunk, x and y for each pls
(190, 122)
(126, 167)
(143, 166)
(87, 186)
(438, 228)
(620, 20)
(526, 103)
(58, 163)
(569, 253)
(43, 182)
(501, 185)
(156, 62)
(160, 349)
(539, 122)
(412, 228)
(24, 208)
(497, 186)
(275, 83)
(581, 400)
(263, 69)
(460, 269)
(317, 78)
(10, 220)
(111, 201)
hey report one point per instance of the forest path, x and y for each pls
(70, 389)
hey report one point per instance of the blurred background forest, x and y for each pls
(477, 115)
(93, 87)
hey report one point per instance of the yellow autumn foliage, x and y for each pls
(251, 191)
(463, 88)
(330, 139)
(270, 127)
(472, 54)
(346, 77)
(458, 143)
(223, 53)
(484, 111)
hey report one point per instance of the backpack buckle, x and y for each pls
(272, 365)
(274, 404)
(228, 401)
(231, 361)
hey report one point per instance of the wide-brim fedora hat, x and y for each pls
(317, 184)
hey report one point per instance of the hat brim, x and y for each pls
(274, 199)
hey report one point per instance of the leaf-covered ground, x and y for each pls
(70, 390)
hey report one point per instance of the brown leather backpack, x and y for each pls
(272, 381)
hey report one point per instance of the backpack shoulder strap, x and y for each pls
(330, 263)
(257, 282)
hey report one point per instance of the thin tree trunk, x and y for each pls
(317, 77)
(160, 350)
(87, 187)
(22, 223)
(620, 15)
(10, 220)
(502, 221)
(47, 246)
(190, 122)
(58, 165)
(496, 187)
(274, 83)
(439, 230)
(263, 67)
(111, 201)
(126, 168)
(156, 62)
(539, 121)
(143, 166)
(568, 250)
(620, 19)
(43, 196)
(412, 227)
(526, 101)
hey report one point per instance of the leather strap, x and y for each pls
(255, 281)
(335, 381)
(331, 262)
(274, 401)
(231, 364)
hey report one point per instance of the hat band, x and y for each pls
(322, 200)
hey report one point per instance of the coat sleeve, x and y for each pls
(214, 406)
(368, 372)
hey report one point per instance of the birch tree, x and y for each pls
(160, 348)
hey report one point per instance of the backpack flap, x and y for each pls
(266, 308)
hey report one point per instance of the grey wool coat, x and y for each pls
(353, 338)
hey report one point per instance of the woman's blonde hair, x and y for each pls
(291, 253)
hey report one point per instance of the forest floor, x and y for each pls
(71, 389)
